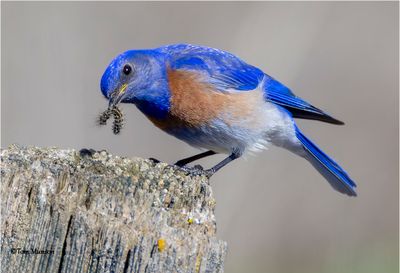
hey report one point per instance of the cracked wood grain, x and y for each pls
(65, 213)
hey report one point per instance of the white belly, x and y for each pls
(265, 124)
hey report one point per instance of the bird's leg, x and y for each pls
(187, 160)
(213, 170)
(221, 164)
(183, 162)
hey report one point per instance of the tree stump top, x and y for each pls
(104, 213)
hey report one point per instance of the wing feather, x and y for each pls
(229, 73)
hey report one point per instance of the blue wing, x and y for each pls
(299, 108)
(224, 70)
(227, 72)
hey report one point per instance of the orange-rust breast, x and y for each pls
(192, 101)
(195, 103)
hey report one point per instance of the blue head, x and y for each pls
(139, 77)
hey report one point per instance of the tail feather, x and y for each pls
(336, 176)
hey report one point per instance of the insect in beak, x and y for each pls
(113, 110)
(118, 118)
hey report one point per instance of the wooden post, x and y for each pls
(61, 212)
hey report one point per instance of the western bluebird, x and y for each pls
(213, 100)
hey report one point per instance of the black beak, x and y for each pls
(117, 95)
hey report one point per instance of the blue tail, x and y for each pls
(326, 166)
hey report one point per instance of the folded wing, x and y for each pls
(228, 73)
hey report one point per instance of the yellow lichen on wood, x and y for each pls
(161, 244)
(198, 262)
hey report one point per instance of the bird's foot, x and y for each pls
(89, 152)
(154, 160)
(196, 170)
(86, 152)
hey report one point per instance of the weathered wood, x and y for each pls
(65, 213)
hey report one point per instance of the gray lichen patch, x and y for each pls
(104, 213)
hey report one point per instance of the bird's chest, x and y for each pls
(194, 104)
(205, 117)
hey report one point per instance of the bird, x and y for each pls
(218, 103)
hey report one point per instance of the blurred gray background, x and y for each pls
(274, 210)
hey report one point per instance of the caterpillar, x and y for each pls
(118, 118)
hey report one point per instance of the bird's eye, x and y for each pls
(127, 69)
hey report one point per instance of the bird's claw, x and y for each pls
(86, 152)
(197, 170)
(154, 160)
(89, 152)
